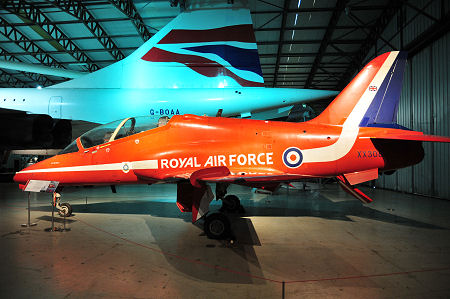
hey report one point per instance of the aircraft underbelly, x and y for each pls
(55, 107)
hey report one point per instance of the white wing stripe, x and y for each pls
(144, 164)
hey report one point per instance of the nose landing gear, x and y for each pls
(64, 209)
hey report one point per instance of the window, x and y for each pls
(71, 148)
(121, 128)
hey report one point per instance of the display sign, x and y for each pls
(41, 186)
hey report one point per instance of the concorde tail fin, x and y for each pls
(372, 97)
(198, 49)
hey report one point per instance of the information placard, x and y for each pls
(41, 186)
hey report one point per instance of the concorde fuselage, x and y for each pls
(102, 105)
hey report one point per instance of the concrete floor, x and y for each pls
(136, 244)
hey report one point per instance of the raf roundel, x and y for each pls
(292, 157)
(125, 167)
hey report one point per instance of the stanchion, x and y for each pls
(64, 229)
(52, 229)
(28, 224)
(53, 217)
(282, 289)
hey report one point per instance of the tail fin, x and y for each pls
(198, 49)
(371, 98)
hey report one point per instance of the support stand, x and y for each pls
(28, 224)
(53, 217)
(55, 200)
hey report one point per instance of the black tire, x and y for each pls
(231, 203)
(66, 209)
(217, 226)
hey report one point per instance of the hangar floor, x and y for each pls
(136, 244)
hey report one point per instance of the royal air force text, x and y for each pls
(219, 160)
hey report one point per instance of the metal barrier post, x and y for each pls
(29, 224)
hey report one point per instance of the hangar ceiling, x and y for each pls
(302, 43)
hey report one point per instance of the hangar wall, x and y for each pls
(424, 103)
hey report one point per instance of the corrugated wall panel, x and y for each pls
(441, 96)
(420, 22)
(403, 177)
(424, 103)
(422, 110)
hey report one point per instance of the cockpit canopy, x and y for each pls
(115, 130)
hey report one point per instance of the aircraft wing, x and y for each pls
(222, 174)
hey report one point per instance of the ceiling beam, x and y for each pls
(307, 54)
(319, 9)
(11, 80)
(433, 33)
(280, 39)
(375, 32)
(71, 38)
(15, 36)
(40, 23)
(127, 8)
(37, 78)
(311, 41)
(308, 28)
(326, 40)
(79, 11)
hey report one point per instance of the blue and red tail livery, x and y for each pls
(228, 53)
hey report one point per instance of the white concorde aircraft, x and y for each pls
(202, 61)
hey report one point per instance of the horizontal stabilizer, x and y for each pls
(361, 176)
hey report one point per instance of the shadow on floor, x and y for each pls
(315, 207)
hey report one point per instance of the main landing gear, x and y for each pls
(196, 199)
(232, 204)
(217, 225)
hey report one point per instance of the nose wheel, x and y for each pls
(65, 210)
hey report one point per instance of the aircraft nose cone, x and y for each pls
(21, 178)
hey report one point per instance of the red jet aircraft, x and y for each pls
(354, 139)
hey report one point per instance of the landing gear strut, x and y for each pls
(232, 204)
(196, 198)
